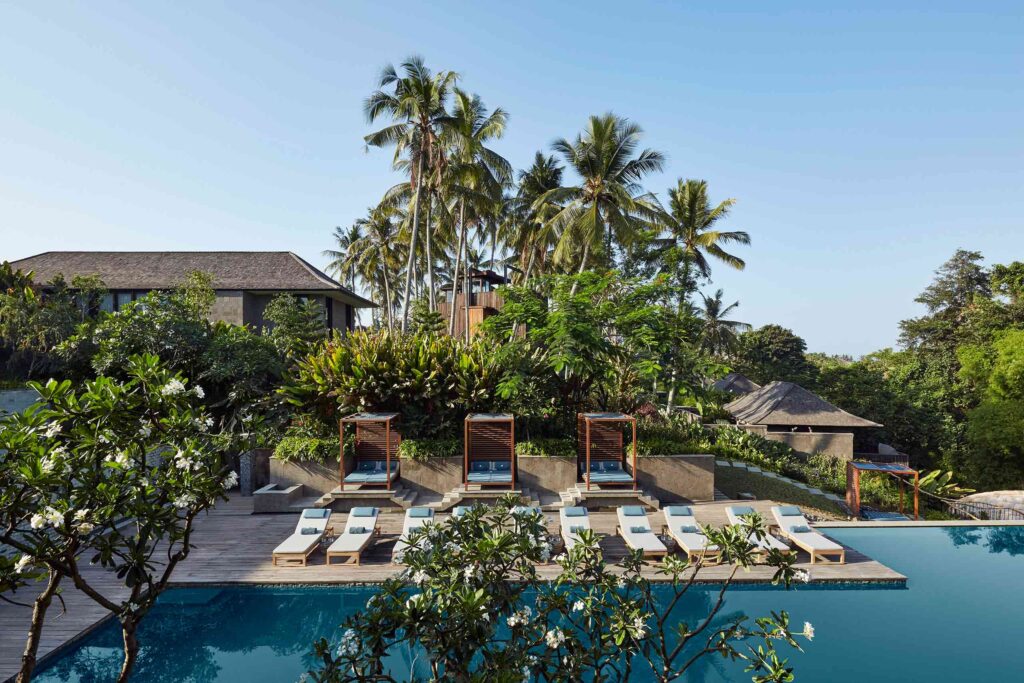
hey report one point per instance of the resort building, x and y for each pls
(736, 383)
(244, 281)
(807, 423)
(483, 300)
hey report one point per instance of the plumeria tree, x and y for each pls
(112, 473)
(472, 606)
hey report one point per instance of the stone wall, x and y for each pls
(546, 475)
(837, 444)
(227, 306)
(435, 475)
(677, 478)
(317, 478)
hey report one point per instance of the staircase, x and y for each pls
(607, 497)
(398, 497)
(475, 493)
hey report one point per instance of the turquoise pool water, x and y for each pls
(959, 619)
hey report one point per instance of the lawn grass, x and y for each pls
(734, 480)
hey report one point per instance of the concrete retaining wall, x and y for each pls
(836, 444)
(677, 478)
(435, 475)
(317, 478)
(546, 475)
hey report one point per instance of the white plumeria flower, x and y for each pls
(231, 480)
(173, 387)
(85, 527)
(53, 430)
(420, 577)
(23, 562)
(198, 391)
(809, 630)
(578, 606)
(37, 521)
(640, 625)
(554, 638)
(145, 430)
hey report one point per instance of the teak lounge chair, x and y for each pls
(572, 521)
(360, 529)
(636, 531)
(682, 527)
(310, 529)
(735, 513)
(415, 518)
(794, 526)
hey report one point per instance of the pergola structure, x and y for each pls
(599, 438)
(489, 449)
(853, 470)
(377, 440)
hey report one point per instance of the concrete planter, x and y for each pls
(546, 474)
(677, 478)
(317, 478)
(272, 498)
(434, 475)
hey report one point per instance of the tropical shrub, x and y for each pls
(296, 326)
(472, 607)
(550, 447)
(424, 449)
(303, 448)
(431, 380)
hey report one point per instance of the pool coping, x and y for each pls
(921, 523)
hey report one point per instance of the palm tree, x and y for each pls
(378, 251)
(530, 233)
(477, 177)
(342, 264)
(608, 203)
(719, 335)
(690, 223)
(417, 103)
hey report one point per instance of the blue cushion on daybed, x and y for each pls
(576, 512)
(597, 465)
(363, 512)
(740, 510)
(633, 511)
(613, 466)
(480, 466)
(689, 529)
(501, 466)
(366, 465)
(315, 513)
(681, 510)
(639, 530)
(378, 477)
(420, 513)
(310, 531)
(611, 477)
(790, 511)
(356, 477)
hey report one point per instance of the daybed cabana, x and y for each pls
(490, 450)
(853, 470)
(376, 450)
(599, 454)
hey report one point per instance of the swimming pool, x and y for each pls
(958, 619)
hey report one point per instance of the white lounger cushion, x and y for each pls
(689, 540)
(807, 539)
(647, 541)
(767, 543)
(567, 523)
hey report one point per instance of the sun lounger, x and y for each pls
(794, 526)
(681, 525)
(572, 521)
(309, 531)
(636, 531)
(360, 528)
(415, 518)
(735, 513)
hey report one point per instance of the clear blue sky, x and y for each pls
(864, 145)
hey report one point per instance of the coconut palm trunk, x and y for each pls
(387, 297)
(465, 283)
(432, 303)
(412, 244)
(458, 263)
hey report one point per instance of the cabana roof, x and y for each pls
(736, 383)
(788, 404)
(369, 417)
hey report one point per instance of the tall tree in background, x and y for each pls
(378, 253)
(529, 231)
(416, 102)
(690, 222)
(718, 336)
(608, 202)
(772, 353)
(343, 257)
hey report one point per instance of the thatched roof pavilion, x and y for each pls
(736, 383)
(790, 406)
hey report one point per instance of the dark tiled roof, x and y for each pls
(736, 383)
(788, 404)
(249, 270)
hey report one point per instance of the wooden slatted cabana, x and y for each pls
(599, 451)
(489, 450)
(853, 471)
(376, 441)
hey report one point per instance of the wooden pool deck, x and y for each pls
(234, 546)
